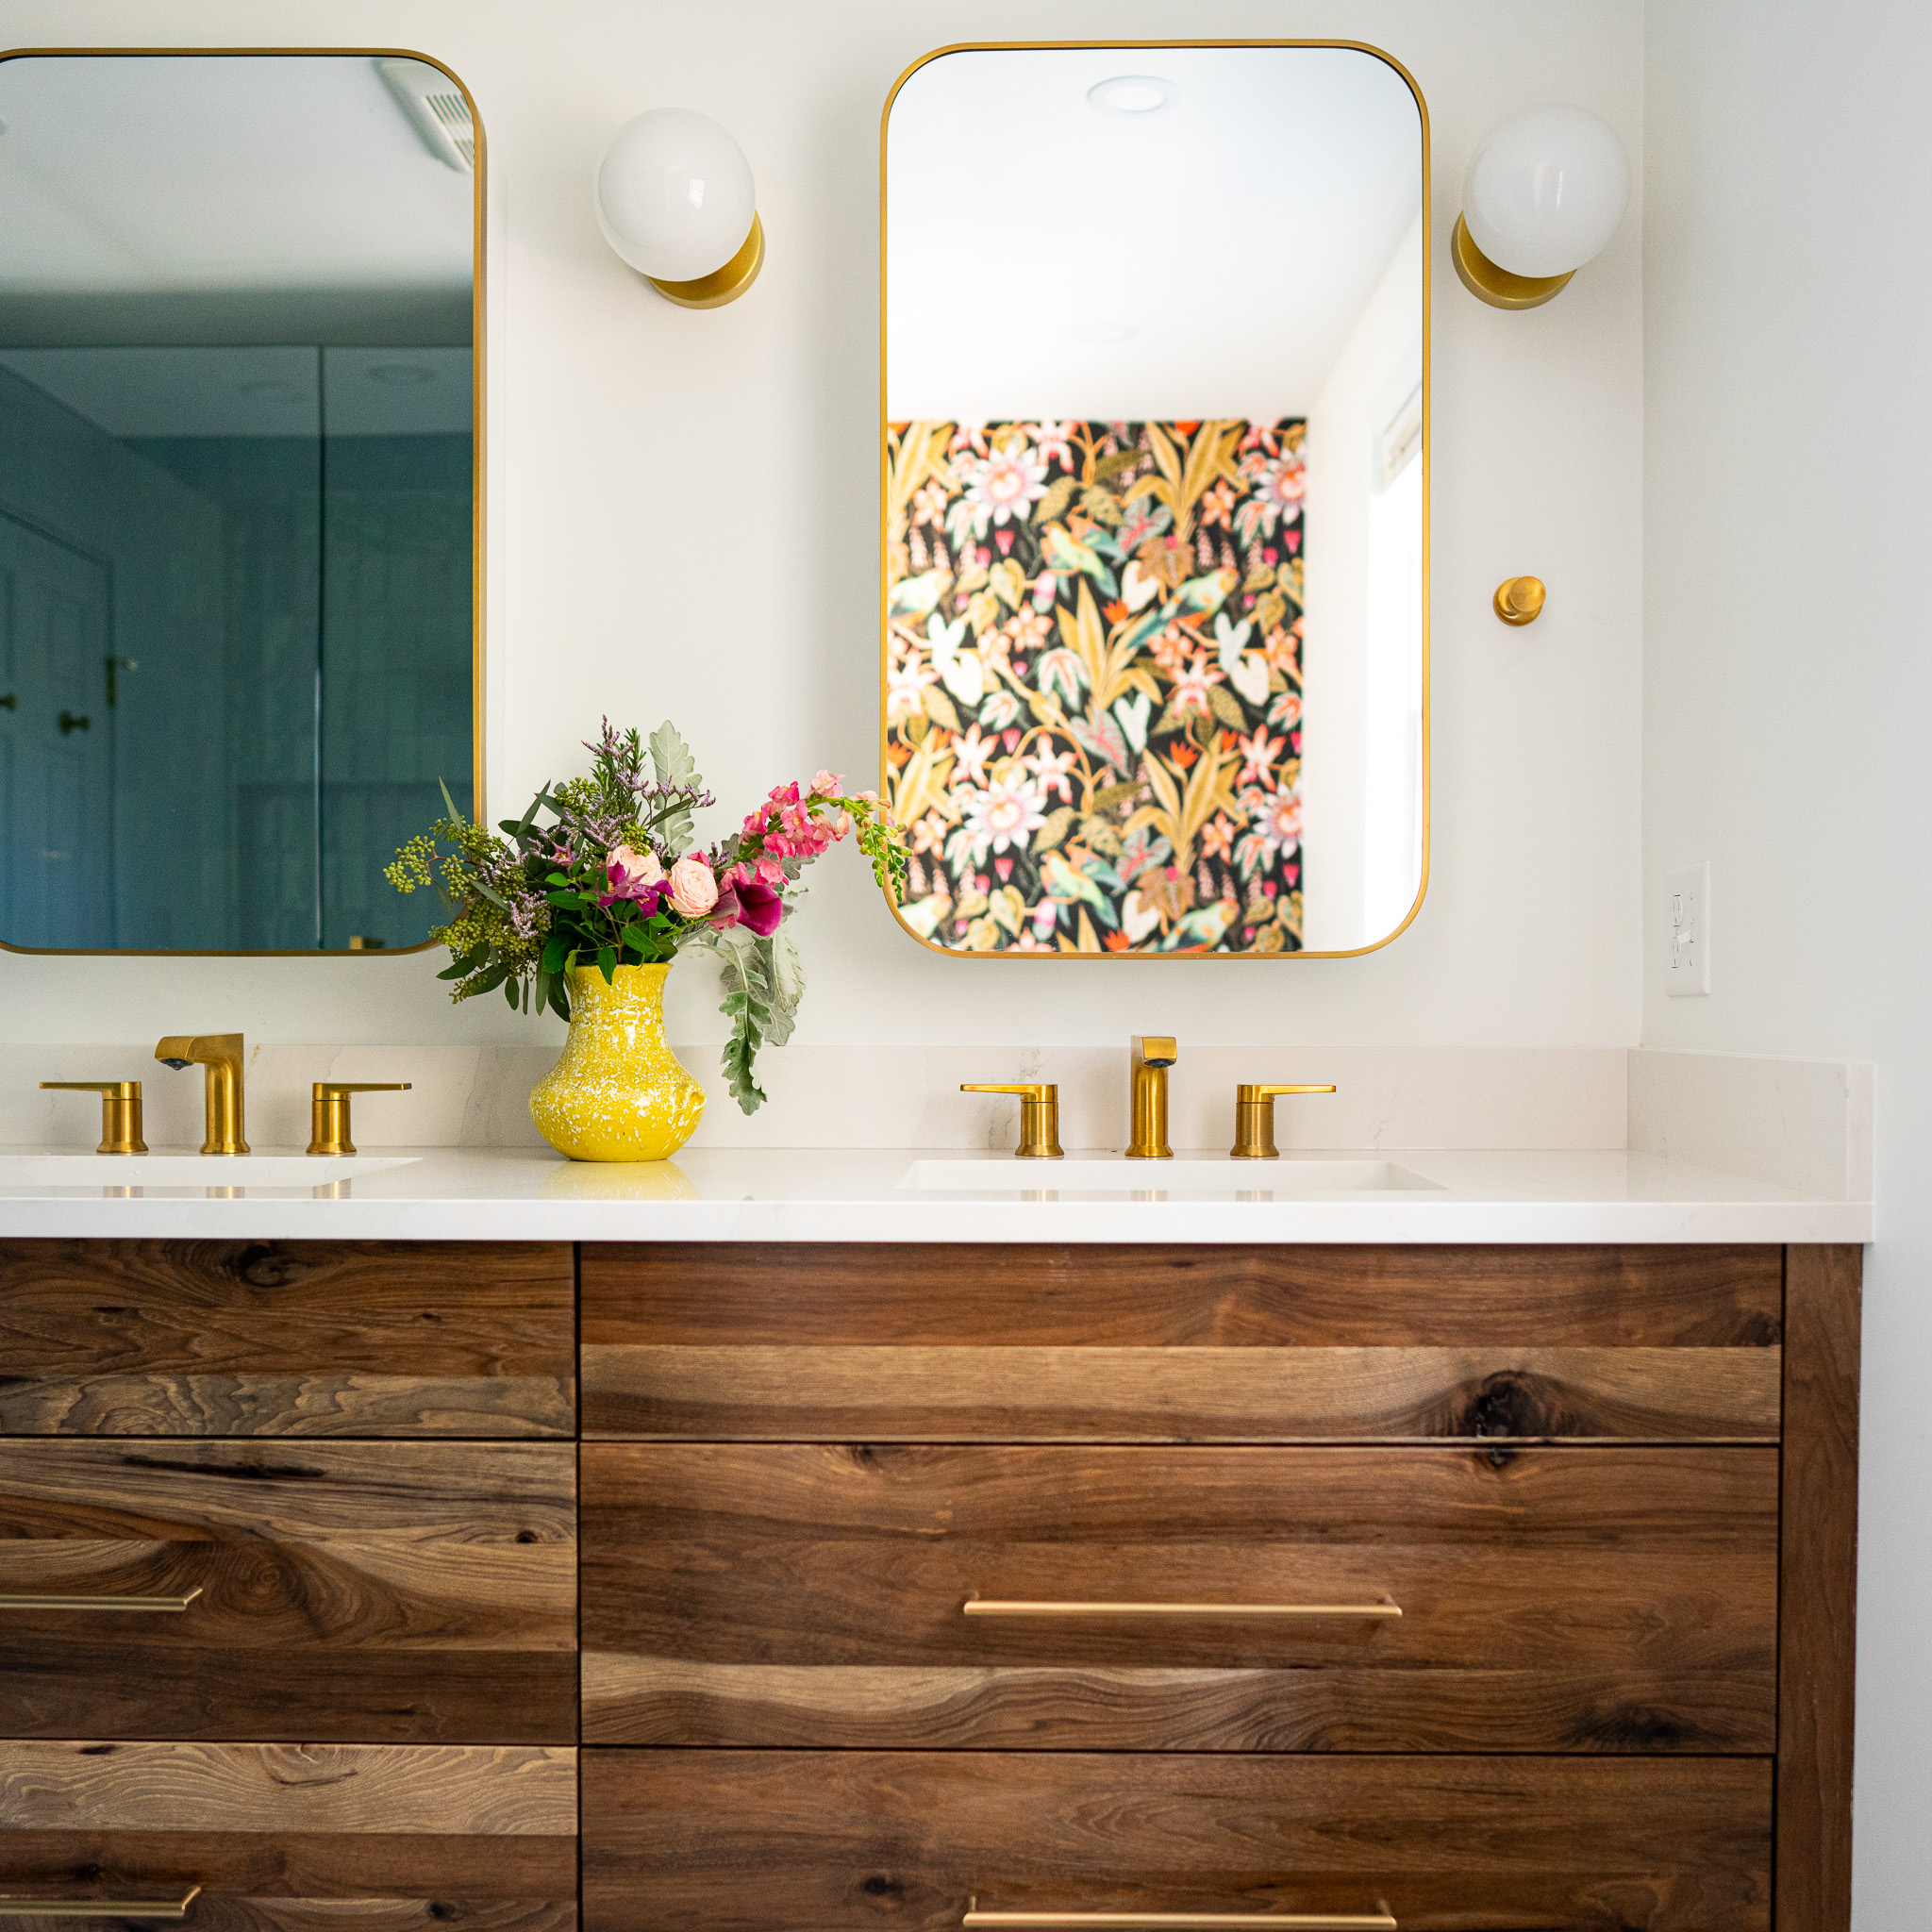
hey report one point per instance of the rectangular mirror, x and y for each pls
(239, 348)
(1156, 498)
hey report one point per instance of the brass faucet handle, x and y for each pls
(1039, 1118)
(1253, 1121)
(120, 1113)
(328, 1111)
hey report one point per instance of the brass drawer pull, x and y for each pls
(1328, 1922)
(101, 1907)
(989, 1607)
(98, 1602)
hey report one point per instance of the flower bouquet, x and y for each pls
(615, 879)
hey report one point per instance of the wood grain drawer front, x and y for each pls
(361, 1591)
(294, 1838)
(1553, 1600)
(103, 1338)
(701, 1842)
(1146, 1343)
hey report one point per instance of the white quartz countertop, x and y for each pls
(712, 1194)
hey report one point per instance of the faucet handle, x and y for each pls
(120, 1113)
(328, 1111)
(1039, 1118)
(1253, 1121)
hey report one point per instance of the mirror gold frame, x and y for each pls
(476, 474)
(885, 480)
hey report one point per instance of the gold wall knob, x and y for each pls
(1039, 1118)
(1253, 1121)
(328, 1111)
(120, 1113)
(1519, 600)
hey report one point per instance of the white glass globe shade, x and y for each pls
(1545, 190)
(675, 195)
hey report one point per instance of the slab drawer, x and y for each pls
(1148, 1343)
(1552, 1600)
(291, 1838)
(697, 1840)
(166, 1338)
(366, 1592)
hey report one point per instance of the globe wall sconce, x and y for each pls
(675, 198)
(1543, 194)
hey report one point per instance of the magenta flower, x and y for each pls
(752, 904)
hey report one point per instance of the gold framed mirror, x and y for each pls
(241, 492)
(1154, 480)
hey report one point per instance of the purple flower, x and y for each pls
(637, 875)
(751, 904)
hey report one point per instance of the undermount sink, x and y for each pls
(1185, 1175)
(190, 1170)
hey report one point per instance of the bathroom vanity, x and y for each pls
(805, 1583)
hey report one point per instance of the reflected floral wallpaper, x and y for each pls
(1094, 710)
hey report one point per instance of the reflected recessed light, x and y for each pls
(405, 374)
(270, 385)
(1100, 331)
(1131, 93)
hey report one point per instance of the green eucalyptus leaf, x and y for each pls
(509, 992)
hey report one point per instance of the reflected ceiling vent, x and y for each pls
(437, 110)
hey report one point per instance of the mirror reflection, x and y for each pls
(237, 494)
(1154, 498)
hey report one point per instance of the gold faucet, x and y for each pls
(221, 1055)
(1039, 1118)
(1253, 1121)
(1149, 1057)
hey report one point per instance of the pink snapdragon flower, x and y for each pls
(828, 784)
(766, 870)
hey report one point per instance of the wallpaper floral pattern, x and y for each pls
(1094, 707)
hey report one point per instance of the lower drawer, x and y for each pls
(798, 1842)
(366, 1592)
(289, 1837)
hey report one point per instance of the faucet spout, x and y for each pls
(220, 1055)
(1149, 1056)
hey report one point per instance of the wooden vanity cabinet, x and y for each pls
(1611, 1490)
(341, 1479)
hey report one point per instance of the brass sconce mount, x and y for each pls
(1519, 600)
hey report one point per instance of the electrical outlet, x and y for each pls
(1686, 964)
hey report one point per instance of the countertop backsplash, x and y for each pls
(1801, 1123)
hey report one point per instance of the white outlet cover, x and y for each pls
(1686, 930)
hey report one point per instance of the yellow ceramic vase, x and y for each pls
(618, 1094)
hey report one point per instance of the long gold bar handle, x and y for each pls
(1327, 1922)
(98, 1907)
(996, 1607)
(99, 1602)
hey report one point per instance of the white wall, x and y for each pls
(629, 439)
(1788, 681)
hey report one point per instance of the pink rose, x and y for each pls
(635, 876)
(628, 868)
(693, 887)
(828, 784)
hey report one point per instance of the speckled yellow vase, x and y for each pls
(618, 1094)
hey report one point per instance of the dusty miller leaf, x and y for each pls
(673, 763)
